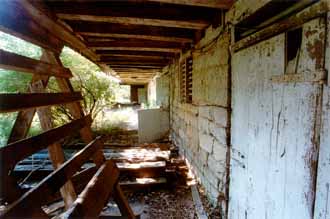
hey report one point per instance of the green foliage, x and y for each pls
(14, 82)
(98, 89)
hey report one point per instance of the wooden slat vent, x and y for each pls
(186, 67)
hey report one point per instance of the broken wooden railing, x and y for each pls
(101, 180)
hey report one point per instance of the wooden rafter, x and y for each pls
(136, 21)
(220, 4)
(101, 37)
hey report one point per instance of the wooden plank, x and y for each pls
(104, 28)
(55, 150)
(16, 102)
(201, 213)
(133, 57)
(122, 203)
(318, 76)
(12, 61)
(12, 153)
(37, 196)
(77, 112)
(24, 118)
(151, 49)
(99, 37)
(136, 21)
(96, 194)
(56, 29)
(219, 4)
(136, 43)
(15, 20)
(129, 52)
(316, 10)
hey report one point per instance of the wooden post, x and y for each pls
(55, 151)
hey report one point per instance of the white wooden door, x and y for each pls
(274, 151)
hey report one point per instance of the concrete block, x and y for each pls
(218, 132)
(206, 142)
(203, 125)
(220, 116)
(219, 151)
(216, 166)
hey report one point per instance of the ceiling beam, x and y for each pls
(136, 9)
(156, 68)
(219, 4)
(171, 50)
(97, 37)
(199, 25)
(142, 53)
(134, 59)
(105, 28)
(135, 63)
(158, 57)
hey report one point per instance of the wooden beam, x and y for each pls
(55, 150)
(56, 29)
(12, 153)
(147, 49)
(123, 205)
(105, 28)
(16, 102)
(130, 52)
(137, 57)
(24, 118)
(12, 61)
(199, 25)
(15, 20)
(96, 194)
(316, 10)
(148, 59)
(136, 64)
(32, 200)
(136, 43)
(219, 4)
(97, 37)
(147, 10)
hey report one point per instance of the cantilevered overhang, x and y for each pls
(134, 39)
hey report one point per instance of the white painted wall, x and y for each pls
(153, 124)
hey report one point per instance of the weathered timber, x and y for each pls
(114, 57)
(136, 21)
(136, 43)
(96, 194)
(130, 52)
(314, 11)
(24, 118)
(77, 112)
(222, 4)
(136, 63)
(57, 30)
(32, 200)
(15, 20)
(12, 61)
(201, 213)
(149, 10)
(122, 203)
(99, 37)
(17, 151)
(55, 150)
(306, 76)
(148, 49)
(16, 102)
(105, 28)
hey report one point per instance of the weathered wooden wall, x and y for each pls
(275, 130)
(322, 203)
